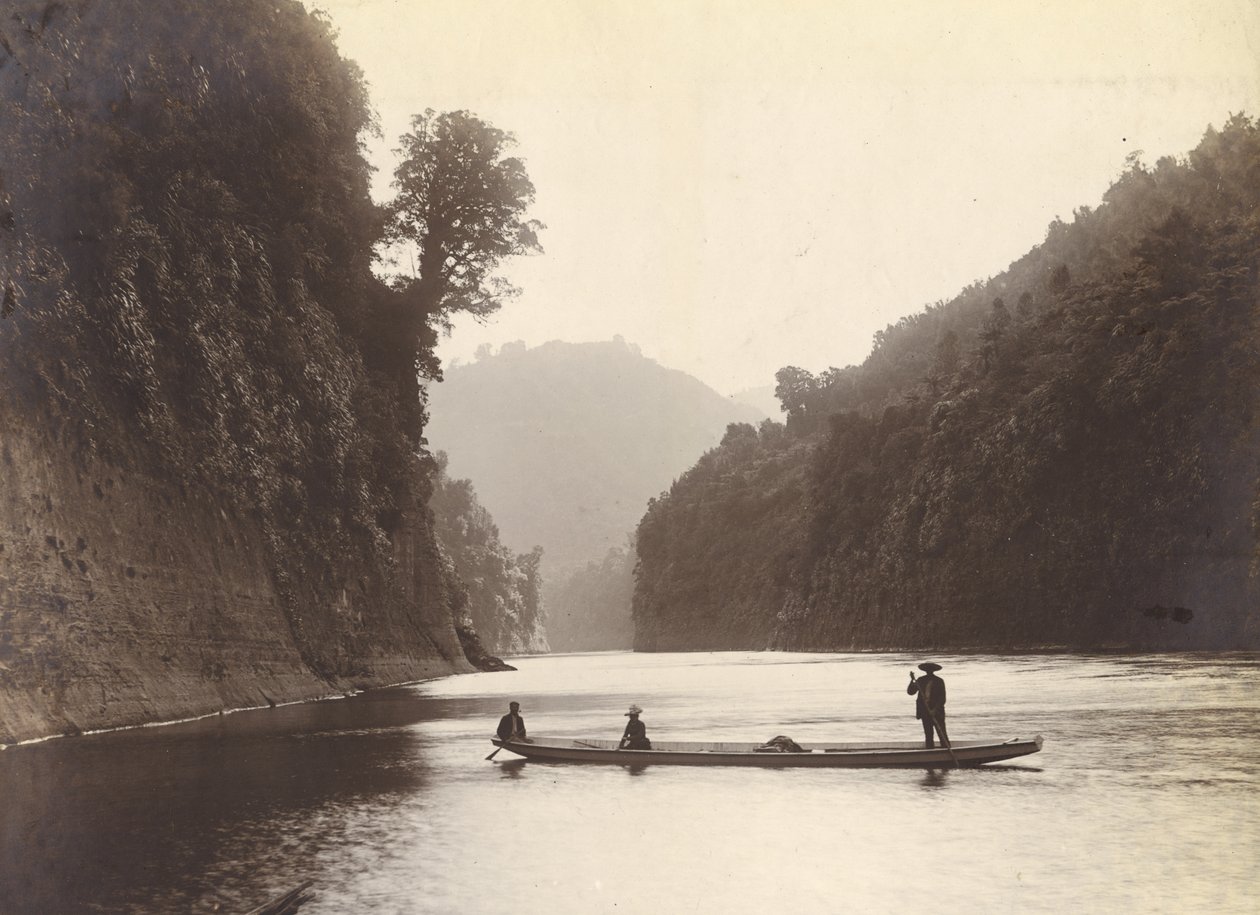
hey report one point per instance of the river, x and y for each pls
(1145, 797)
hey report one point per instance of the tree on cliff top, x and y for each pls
(461, 203)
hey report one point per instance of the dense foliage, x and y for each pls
(724, 544)
(501, 593)
(187, 260)
(1067, 454)
(461, 202)
(589, 609)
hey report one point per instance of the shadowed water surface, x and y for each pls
(1144, 798)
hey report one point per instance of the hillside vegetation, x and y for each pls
(500, 597)
(1064, 455)
(590, 608)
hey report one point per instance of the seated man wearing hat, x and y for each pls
(929, 707)
(635, 736)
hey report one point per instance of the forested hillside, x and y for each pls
(1065, 454)
(187, 304)
(565, 443)
(501, 593)
(590, 608)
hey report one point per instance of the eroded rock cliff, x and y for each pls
(125, 599)
(213, 483)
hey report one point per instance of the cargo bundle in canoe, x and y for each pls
(819, 755)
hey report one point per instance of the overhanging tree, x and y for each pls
(460, 204)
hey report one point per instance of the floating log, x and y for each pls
(288, 903)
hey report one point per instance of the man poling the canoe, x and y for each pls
(929, 706)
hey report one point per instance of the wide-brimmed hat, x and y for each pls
(928, 667)
(635, 710)
(514, 705)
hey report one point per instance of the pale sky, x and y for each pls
(738, 186)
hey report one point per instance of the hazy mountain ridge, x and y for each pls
(1066, 454)
(762, 400)
(566, 442)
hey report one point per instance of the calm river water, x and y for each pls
(1146, 797)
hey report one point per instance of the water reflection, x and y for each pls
(512, 768)
(935, 778)
(1008, 767)
(100, 821)
(387, 801)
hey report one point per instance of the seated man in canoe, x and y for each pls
(512, 725)
(635, 736)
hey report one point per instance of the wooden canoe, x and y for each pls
(818, 755)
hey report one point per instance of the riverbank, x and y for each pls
(330, 697)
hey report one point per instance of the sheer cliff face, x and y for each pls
(125, 599)
(212, 493)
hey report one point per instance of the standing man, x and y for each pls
(929, 707)
(512, 725)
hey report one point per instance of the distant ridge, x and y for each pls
(567, 442)
(761, 399)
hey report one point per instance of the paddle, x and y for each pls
(497, 749)
(940, 732)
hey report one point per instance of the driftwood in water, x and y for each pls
(288, 903)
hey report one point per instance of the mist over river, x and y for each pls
(1145, 797)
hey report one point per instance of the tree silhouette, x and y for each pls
(461, 203)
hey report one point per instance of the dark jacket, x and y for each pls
(931, 695)
(507, 726)
(635, 736)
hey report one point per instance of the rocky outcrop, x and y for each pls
(126, 599)
(476, 652)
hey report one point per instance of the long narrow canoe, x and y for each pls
(825, 755)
